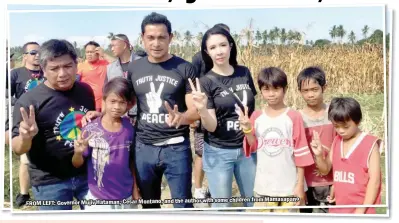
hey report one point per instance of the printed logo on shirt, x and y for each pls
(100, 152)
(154, 98)
(272, 142)
(68, 126)
(239, 87)
(344, 177)
(235, 125)
(32, 83)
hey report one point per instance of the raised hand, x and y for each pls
(200, 99)
(81, 143)
(175, 117)
(100, 51)
(244, 101)
(245, 123)
(28, 127)
(154, 100)
(316, 144)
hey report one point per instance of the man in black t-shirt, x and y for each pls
(164, 112)
(24, 79)
(12, 64)
(47, 121)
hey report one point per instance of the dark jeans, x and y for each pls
(175, 161)
(63, 191)
(317, 196)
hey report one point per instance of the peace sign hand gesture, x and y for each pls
(316, 144)
(245, 123)
(28, 127)
(81, 143)
(200, 99)
(175, 117)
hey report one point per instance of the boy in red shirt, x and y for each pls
(354, 159)
(312, 84)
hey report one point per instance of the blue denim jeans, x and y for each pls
(63, 191)
(220, 165)
(175, 161)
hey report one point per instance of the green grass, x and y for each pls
(6, 177)
(372, 121)
(383, 195)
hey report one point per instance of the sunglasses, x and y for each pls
(32, 52)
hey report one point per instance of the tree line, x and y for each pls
(186, 42)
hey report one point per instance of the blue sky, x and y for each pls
(85, 26)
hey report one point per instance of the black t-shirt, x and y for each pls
(7, 118)
(155, 83)
(7, 77)
(228, 134)
(58, 117)
(24, 80)
(125, 67)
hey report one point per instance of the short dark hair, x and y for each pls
(121, 87)
(156, 19)
(27, 44)
(92, 43)
(217, 30)
(141, 53)
(224, 26)
(272, 77)
(314, 73)
(54, 48)
(344, 109)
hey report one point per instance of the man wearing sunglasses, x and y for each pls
(123, 50)
(12, 64)
(24, 79)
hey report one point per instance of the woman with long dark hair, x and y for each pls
(226, 90)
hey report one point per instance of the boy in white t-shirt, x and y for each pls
(277, 133)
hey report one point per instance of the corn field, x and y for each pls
(351, 70)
